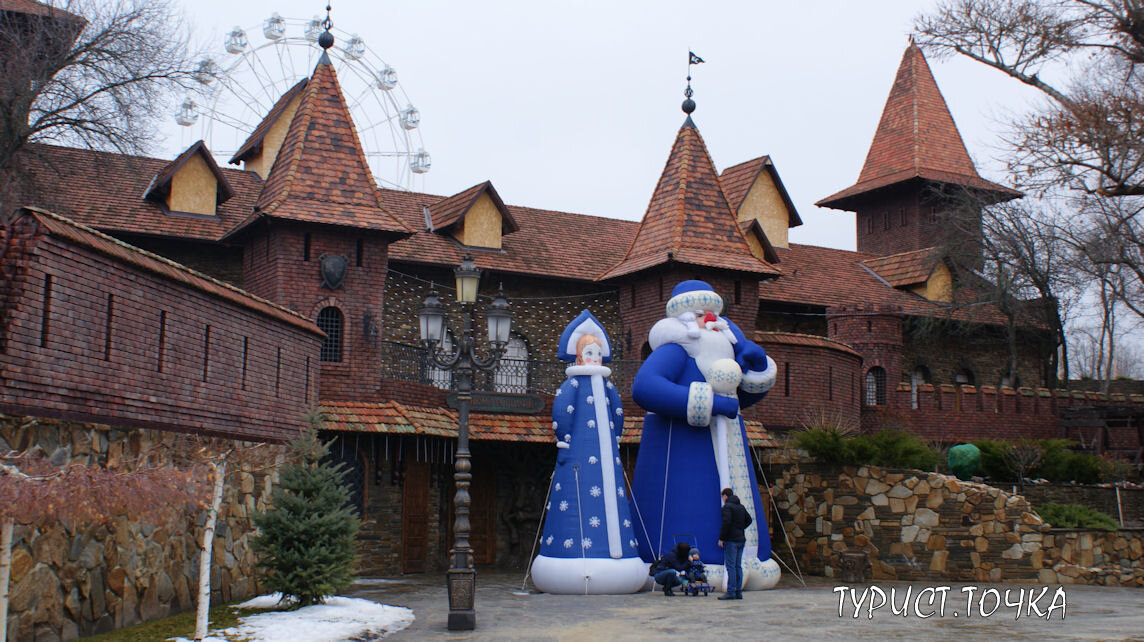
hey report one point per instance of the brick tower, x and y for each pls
(319, 237)
(918, 174)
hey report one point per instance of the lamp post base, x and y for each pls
(462, 620)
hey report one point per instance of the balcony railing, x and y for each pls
(404, 362)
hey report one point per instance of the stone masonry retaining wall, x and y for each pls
(928, 526)
(70, 580)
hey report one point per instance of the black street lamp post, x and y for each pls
(461, 579)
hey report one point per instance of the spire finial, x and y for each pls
(326, 40)
(688, 104)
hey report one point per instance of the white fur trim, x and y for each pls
(561, 444)
(589, 576)
(700, 403)
(695, 300)
(577, 371)
(755, 382)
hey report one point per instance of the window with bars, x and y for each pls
(876, 386)
(332, 322)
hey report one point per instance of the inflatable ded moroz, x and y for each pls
(702, 370)
(588, 545)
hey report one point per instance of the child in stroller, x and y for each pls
(695, 577)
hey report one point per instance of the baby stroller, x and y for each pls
(693, 584)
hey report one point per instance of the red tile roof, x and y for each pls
(688, 219)
(105, 191)
(448, 211)
(796, 339)
(253, 143)
(394, 418)
(38, 9)
(907, 268)
(916, 138)
(547, 243)
(321, 174)
(58, 226)
(738, 179)
(161, 184)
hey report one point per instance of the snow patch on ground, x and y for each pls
(338, 619)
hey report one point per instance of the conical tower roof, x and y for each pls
(916, 138)
(689, 219)
(321, 174)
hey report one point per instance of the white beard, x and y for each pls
(706, 348)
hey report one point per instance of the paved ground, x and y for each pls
(1095, 613)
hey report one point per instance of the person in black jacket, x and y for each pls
(732, 538)
(666, 571)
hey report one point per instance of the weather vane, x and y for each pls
(688, 104)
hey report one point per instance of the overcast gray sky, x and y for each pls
(574, 105)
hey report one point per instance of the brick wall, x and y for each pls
(251, 377)
(951, 413)
(817, 382)
(281, 265)
(880, 228)
(945, 351)
(222, 262)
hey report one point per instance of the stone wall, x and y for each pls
(927, 526)
(70, 580)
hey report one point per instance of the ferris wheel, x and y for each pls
(257, 65)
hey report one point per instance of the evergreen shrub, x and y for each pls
(306, 540)
(888, 448)
(1075, 516)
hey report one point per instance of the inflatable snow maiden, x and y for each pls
(588, 545)
(701, 371)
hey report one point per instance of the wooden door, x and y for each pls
(482, 515)
(415, 518)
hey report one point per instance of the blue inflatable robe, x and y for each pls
(701, 371)
(588, 545)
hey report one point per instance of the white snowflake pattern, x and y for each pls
(612, 425)
(632, 543)
(568, 543)
(558, 391)
(575, 383)
(549, 506)
(595, 491)
(618, 461)
(627, 523)
(619, 411)
(569, 408)
(591, 399)
(591, 423)
(557, 487)
(620, 491)
(555, 425)
(586, 542)
(609, 384)
(594, 522)
(592, 459)
(549, 540)
(567, 438)
(563, 506)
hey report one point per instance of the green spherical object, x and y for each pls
(963, 461)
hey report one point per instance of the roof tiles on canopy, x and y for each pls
(906, 268)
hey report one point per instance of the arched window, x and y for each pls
(512, 372)
(440, 377)
(331, 321)
(965, 377)
(876, 386)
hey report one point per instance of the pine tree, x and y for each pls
(306, 539)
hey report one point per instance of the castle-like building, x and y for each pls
(179, 295)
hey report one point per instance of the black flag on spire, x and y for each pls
(693, 59)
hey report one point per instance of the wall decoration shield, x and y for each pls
(333, 271)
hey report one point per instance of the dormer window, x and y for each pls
(191, 184)
(477, 217)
